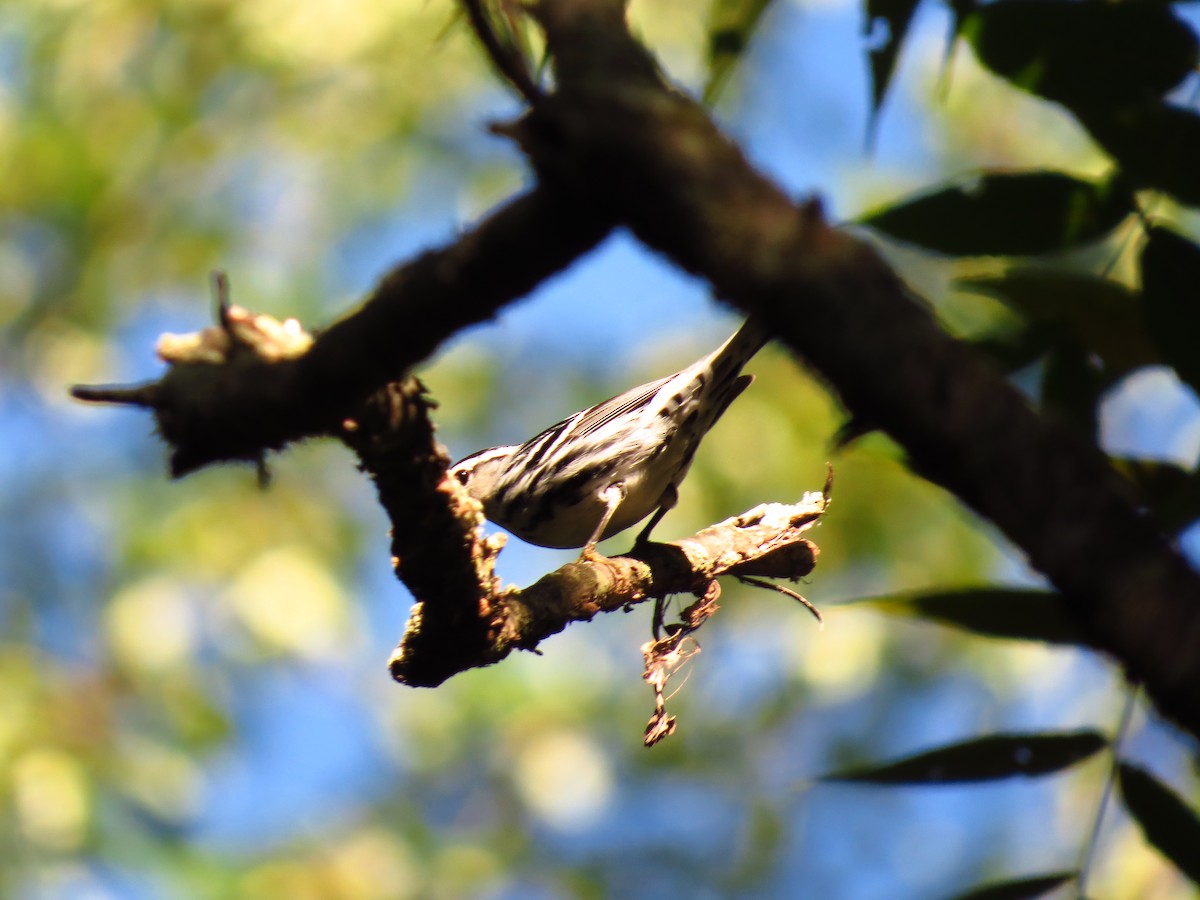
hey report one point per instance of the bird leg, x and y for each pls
(613, 495)
(665, 503)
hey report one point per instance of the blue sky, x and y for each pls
(309, 750)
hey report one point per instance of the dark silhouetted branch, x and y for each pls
(614, 144)
(433, 646)
(212, 407)
(653, 158)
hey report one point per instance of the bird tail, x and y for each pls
(726, 362)
(730, 357)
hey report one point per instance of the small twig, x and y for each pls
(144, 396)
(666, 656)
(504, 57)
(663, 659)
(659, 616)
(220, 286)
(767, 585)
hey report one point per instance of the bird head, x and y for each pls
(480, 473)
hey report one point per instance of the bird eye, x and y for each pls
(463, 476)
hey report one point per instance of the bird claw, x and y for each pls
(590, 554)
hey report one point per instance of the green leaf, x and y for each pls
(960, 12)
(1170, 492)
(1007, 214)
(1013, 613)
(1012, 349)
(1087, 56)
(1103, 315)
(1019, 888)
(1167, 822)
(731, 24)
(1171, 287)
(983, 759)
(1155, 144)
(886, 25)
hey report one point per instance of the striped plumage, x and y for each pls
(607, 468)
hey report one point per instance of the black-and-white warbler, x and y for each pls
(607, 468)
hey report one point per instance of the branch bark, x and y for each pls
(464, 618)
(656, 160)
(764, 540)
(241, 406)
(614, 144)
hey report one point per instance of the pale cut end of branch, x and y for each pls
(238, 331)
(207, 376)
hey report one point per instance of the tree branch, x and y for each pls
(615, 144)
(655, 158)
(766, 538)
(438, 547)
(210, 408)
(505, 56)
(464, 618)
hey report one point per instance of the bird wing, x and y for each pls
(601, 414)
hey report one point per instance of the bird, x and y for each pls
(605, 468)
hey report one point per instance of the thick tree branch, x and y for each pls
(615, 144)
(239, 407)
(768, 538)
(655, 158)
(463, 618)
(505, 55)
(438, 547)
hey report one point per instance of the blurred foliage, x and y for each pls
(1168, 822)
(886, 26)
(193, 698)
(731, 25)
(990, 215)
(984, 759)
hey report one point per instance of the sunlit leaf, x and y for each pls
(1084, 55)
(1007, 214)
(960, 11)
(1170, 277)
(1170, 492)
(886, 25)
(1019, 888)
(1028, 615)
(1167, 822)
(983, 759)
(1103, 315)
(731, 24)
(1156, 145)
